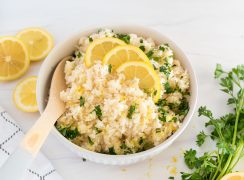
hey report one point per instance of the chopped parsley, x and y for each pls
(90, 140)
(97, 130)
(124, 37)
(90, 39)
(142, 48)
(161, 48)
(111, 151)
(98, 112)
(161, 102)
(141, 141)
(150, 54)
(167, 88)
(131, 111)
(162, 117)
(79, 54)
(158, 130)
(68, 132)
(165, 70)
(110, 68)
(82, 101)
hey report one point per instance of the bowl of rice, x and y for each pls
(130, 93)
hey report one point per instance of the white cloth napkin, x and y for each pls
(10, 136)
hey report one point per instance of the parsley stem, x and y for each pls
(238, 109)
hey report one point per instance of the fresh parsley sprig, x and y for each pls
(227, 131)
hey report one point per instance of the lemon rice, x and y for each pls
(122, 104)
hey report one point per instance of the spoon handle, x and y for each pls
(38, 133)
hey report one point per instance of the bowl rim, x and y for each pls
(147, 31)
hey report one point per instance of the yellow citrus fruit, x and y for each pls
(234, 176)
(38, 42)
(24, 95)
(14, 58)
(122, 54)
(99, 48)
(149, 79)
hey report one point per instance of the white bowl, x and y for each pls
(67, 47)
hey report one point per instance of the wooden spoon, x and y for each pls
(30, 145)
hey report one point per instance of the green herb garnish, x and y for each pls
(167, 88)
(89, 140)
(201, 138)
(150, 54)
(142, 48)
(124, 37)
(98, 112)
(227, 131)
(131, 111)
(111, 151)
(68, 132)
(82, 101)
(141, 141)
(90, 39)
(97, 130)
(110, 68)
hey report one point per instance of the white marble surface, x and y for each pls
(209, 32)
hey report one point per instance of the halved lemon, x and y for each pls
(24, 95)
(14, 58)
(38, 42)
(121, 54)
(234, 176)
(149, 79)
(99, 48)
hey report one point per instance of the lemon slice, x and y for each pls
(121, 54)
(99, 47)
(234, 176)
(14, 58)
(149, 79)
(38, 42)
(25, 95)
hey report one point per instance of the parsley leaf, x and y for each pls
(131, 111)
(82, 101)
(68, 132)
(167, 88)
(142, 48)
(90, 140)
(201, 138)
(190, 158)
(111, 151)
(98, 112)
(124, 37)
(110, 68)
(150, 54)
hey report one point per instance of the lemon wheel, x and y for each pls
(24, 95)
(121, 54)
(14, 58)
(99, 48)
(38, 42)
(149, 79)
